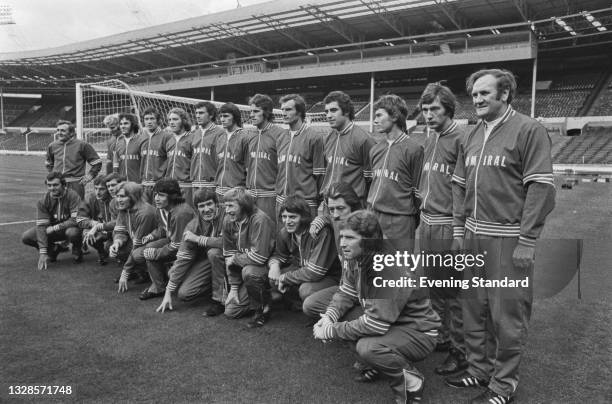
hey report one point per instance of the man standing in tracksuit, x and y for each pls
(154, 151)
(128, 148)
(262, 162)
(301, 158)
(436, 229)
(204, 160)
(69, 157)
(347, 147)
(396, 166)
(180, 151)
(504, 177)
(232, 148)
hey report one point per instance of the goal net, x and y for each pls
(97, 100)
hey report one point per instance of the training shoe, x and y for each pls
(146, 295)
(258, 319)
(490, 397)
(214, 309)
(454, 362)
(465, 380)
(413, 397)
(367, 375)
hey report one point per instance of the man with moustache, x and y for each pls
(204, 160)
(128, 148)
(55, 221)
(180, 151)
(262, 161)
(154, 151)
(69, 156)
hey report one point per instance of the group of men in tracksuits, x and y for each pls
(257, 217)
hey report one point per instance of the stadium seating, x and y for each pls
(593, 147)
(15, 107)
(45, 114)
(603, 105)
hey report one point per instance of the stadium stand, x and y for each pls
(14, 108)
(593, 147)
(603, 105)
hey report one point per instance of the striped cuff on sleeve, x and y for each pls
(458, 231)
(527, 241)
(171, 286)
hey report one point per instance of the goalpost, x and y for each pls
(94, 101)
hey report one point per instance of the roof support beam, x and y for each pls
(384, 15)
(242, 35)
(332, 22)
(523, 9)
(452, 13)
(282, 28)
(219, 37)
(166, 52)
(188, 46)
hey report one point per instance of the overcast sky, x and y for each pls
(41, 24)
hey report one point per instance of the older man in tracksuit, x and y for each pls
(504, 178)
(436, 229)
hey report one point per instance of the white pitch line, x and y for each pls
(22, 222)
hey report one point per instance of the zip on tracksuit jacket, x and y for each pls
(171, 225)
(128, 156)
(204, 161)
(232, 151)
(403, 307)
(435, 192)
(154, 156)
(496, 174)
(251, 241)
(179, 159)
(262, 161)
(314, 257)
(348, 159)
(93, 210)
(396, 169)
(70, 159)
(209, 233)
(301, 165)
(58, 212)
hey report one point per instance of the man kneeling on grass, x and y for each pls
(55, 221)
(191, 275)
(302, 263)
(394, 331)
(159, 247)
(248, 241)
(94, 216)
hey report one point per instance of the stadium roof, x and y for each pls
(284, 27)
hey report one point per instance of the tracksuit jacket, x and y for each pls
(496, 174)
(250, 241)
(93, 210)
(301, 165)
(396, 171)
(134, 224)
(171, 225)
(348, 159)
(154, 156)
(204, 160)
(209, 237)
(179, 159)
(70, 159)
(128, 156)
(314, 258)
(402, 307)
(60, 212)
(232, 151)
(262, 161)
(435, 192)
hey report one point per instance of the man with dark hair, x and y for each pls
(204, 160)
(262, 161)
(135, 220)
(128, 148)
(504, 185)
(301, 158)
(392, 333)
(347, 147)
(232, 149)
(154, 151)
(180, 151)
(300, 261)
(55, 221)
(69, 156)
(442, 146)
(191, 275)
(248, 242)
(396, 164)
(112, 124)
(160, 246)
(93, 216)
